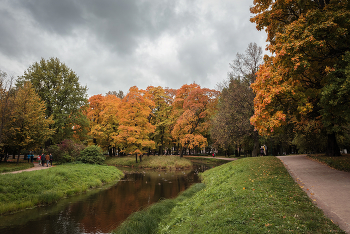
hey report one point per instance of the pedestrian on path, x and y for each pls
(47, 157)
(51, 159)
(39, 159)
(42, 159)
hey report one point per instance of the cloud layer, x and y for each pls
(113, 45)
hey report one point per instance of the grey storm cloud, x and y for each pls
(114, 45)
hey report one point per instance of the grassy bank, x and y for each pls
(169, 162)
(147, 221)
(13, 166)
(29, 189)
(341, 163)
(252, 195)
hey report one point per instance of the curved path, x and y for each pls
(327, 187)
(35, 168)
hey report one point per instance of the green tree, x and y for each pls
(5, 104)
(231, 126)
(160, 117)
(59, 87)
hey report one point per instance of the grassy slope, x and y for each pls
(170, 162)
(253, 195)
(13, 166)
(29, 189)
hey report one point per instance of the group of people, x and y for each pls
(42, 158)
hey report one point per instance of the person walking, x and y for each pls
(42, 159)
(39, 159)
(47, 157)
(51, 159)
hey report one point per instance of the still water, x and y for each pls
(102, 210)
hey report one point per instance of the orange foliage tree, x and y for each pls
(134, 123)
(309, 41)
(104, 120)
(192, 110)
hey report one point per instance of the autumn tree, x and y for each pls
(134, 126)
(104, 121)
(28, 127)
(119, 94)
(303, 82)
(192, 110)
(59, 87)
(160, 116)
(231, 126)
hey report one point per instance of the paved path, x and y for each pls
(327, 187)
(35, 168)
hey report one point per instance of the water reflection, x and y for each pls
(101, 211)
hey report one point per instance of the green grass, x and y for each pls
(146, 221)
(13, 166)
(30, 189)
(170, 162)
(251, 195)
(341, 163)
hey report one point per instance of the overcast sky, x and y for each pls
(114, 45)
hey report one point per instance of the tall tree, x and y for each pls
(135, 128)
(160, 116)
(103, 115)
(193, 108)
(59, 87)
(231, 126)
(5, 104)
(28, 127)
(309, 41)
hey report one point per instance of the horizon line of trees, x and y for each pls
(294, 100)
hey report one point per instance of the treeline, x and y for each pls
(295, 100)
(47, 106)
(155, 120)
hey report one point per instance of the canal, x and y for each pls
(102, 210)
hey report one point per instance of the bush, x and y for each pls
(67, 151)
(93, 155)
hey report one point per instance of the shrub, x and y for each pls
(67, 151)
(93, 155)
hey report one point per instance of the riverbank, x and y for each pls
(252, 195)
(163, 162)
(35, 188)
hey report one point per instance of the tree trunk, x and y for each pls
(332, 145)
(181, 152)
(136, 157)
(256, 144)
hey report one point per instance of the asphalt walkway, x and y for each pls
(327, 187)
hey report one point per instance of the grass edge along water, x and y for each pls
(35, 188)
(251, 195)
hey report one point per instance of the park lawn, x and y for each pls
(164, 162)
(30, 189)
(251, 195)
(341, 163)
(13, 166)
